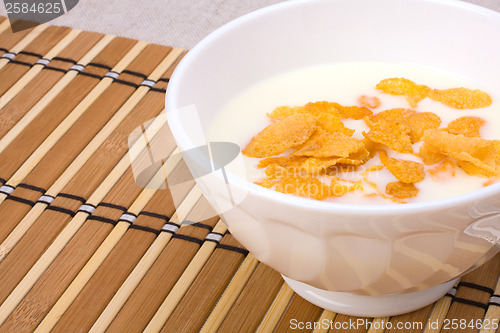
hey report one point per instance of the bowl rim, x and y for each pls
(181, 138)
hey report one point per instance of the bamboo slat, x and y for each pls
(118, 264)
(30, 36)
(96, 142)
(342, 321)
(44, 220)
(112, 189)
(230, 295)
(473, 294)
(163, 69)
(326, 316)
(71, 293)
(25, 144)
(37, 68)
(298, 310)
(160, 279)
(4, 25)
(276, 310)
(25, 59)
(252, 304)
(65, 301)
(438, 314)
(72, 118)
(66, 256)
(378, 325)
(9, 132)
(418, 320)
(493, 314)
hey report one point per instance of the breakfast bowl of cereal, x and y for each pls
(369, 135)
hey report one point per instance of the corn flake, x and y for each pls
(317, 108)
(429, 154)
(473, 170)
(314, 165)
(400, 86)
(467, 126)
(357, 158)
(331, 144)
(369, 102)
(479, 152)
(332, 123)
(392, 134)
(284, 161)
(405, 171)
(418, 122)
(343, 112)
(338, 189)
(354, 112)
(281, 135)
(372, 147)
(304, 186)
(265, 183)
(396, 115)
(274, 171)
(401, 190)
(461, 98)
(282, 112)
(316, 134)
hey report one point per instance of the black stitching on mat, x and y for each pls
(31, 187)
(146, 229)
(101, 219)
(188, 238)
(65, 60)
(56, 69)
(61, 210)
(71, 196)
(476, 286)
(99, 65)
(202, 225)
(232, 248)
(158, 216)
(91, 75)
(126, 83)
(158, 90)
(21, 63)
(470, 302)
(21, 200)
(110, 205)
(30, 54)
(126, 71)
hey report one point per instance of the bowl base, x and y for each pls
(369, 306)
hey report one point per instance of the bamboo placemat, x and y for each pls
(83, 248)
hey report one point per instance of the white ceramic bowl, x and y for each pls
(324, 247)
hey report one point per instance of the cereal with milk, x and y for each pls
(357, 133)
